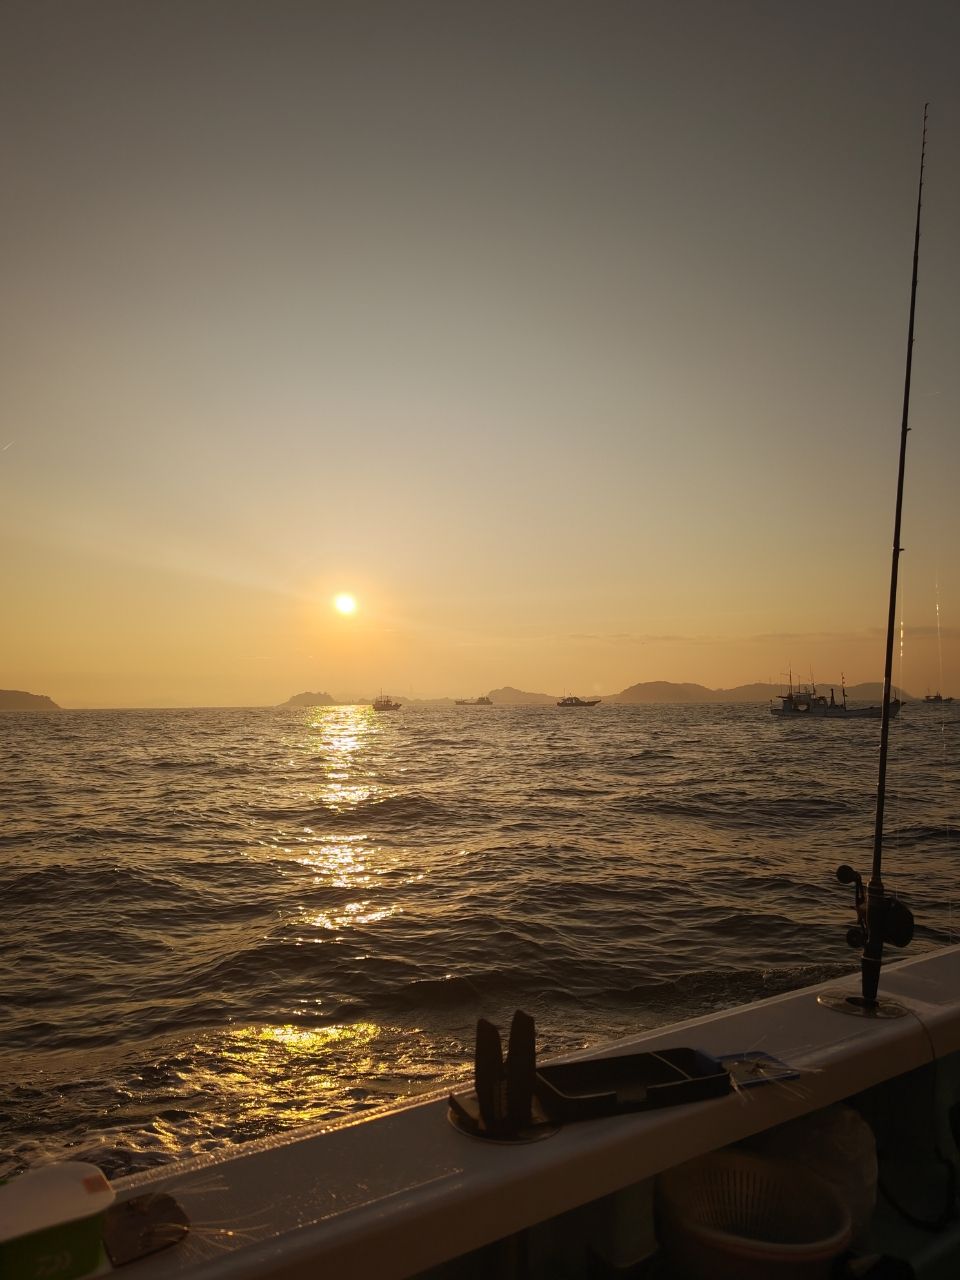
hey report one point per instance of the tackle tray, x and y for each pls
(595, 1087)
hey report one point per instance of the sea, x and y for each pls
(220, 924)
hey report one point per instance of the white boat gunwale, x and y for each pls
(399, 1192)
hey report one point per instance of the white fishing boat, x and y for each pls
(385, 703)
(571, 701)
(806, 702)
(849, 1099)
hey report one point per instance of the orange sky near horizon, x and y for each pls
(569, 339)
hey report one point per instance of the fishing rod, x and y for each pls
(881, 917)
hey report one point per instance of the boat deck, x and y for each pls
(402, 1192)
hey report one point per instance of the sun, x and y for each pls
(345, 603)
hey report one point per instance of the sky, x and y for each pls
(568, 337)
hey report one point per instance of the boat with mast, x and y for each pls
(385, 703)
(404, 1194)
(805, 702)
(569, 700)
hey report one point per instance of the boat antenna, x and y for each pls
(882, 918)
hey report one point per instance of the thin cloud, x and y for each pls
(848, 637)
(627, 637)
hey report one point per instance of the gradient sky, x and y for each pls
(568, 337)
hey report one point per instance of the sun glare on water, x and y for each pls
(345, 603)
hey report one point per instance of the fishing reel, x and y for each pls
(895, 919)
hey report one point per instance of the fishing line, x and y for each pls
(936, 601)
(944, 797)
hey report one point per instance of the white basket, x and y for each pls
(738, 1215)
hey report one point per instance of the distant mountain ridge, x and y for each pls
(17, 700)
(647, 692)
(666, 691)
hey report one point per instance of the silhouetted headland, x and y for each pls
(17, 700)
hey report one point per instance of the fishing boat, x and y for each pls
(804, 701)
(384, 703)
(482, 701)
(571, 701)
(936, 697)
(851, 1099)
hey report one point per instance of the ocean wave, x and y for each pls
(205, 763)
(375, 811)
(86, 884)
(439, 992)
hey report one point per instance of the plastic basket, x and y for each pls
(737, 1216)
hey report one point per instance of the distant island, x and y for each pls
(649, 692)
(510, 697)
(17, 700)
(310, 700)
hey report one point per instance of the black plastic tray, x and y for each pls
(594, 1087)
